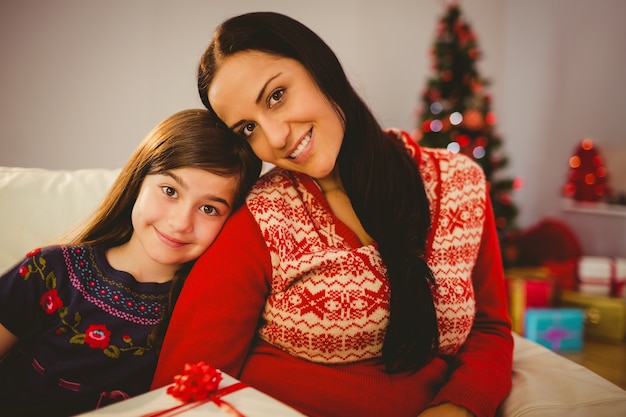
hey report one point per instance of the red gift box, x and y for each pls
(528, 288)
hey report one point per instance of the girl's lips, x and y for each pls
(169, 241)
(302, 145)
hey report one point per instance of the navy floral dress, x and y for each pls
(83, 329)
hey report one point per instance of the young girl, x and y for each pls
(82, 322)
(371, 283)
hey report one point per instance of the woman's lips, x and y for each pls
(306, 140)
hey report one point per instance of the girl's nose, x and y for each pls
(181, 219)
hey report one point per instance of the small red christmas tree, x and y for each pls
(587, 177)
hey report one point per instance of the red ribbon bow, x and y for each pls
(198, 384)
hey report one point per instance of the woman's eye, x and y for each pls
(169, 191)
(247, 129)
(210, 210)
(275, 97)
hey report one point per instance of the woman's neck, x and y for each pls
(341, 206)
(330, 183)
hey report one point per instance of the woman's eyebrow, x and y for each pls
(262, 92)
(234, 126)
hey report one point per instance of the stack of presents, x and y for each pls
(557, 295)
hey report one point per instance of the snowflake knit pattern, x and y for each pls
(329, 300)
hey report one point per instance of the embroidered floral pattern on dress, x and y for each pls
(50, 301)
(110, 295)
(96, 335)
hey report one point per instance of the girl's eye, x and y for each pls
(169, 191)
(275, 97)
(247, 129)
(210, 210)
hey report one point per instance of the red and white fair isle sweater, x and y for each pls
(289, 301)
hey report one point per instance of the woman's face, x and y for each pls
(274, 102)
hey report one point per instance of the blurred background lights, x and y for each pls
(453, 147)
(456, 118)
(597, 160)
(478, 152)
(463, 140)
(436, 125)
(587, 177)
(436, 107)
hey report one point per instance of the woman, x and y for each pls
(81, 322)
(368, 279)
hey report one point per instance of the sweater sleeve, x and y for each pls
(216, 316)
(484, 361)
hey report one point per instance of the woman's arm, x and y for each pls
(217, 313)
(482, 368)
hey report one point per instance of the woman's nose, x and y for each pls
(276, 132)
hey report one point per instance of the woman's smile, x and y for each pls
(302, 146)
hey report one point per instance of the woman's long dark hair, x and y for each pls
(380, 178)
(187, 139)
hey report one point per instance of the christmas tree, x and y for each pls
(587, 177)
(456, 111)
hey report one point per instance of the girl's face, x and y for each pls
(178, 214)
(274, 102)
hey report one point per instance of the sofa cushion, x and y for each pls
(548, 385)
(39, 205)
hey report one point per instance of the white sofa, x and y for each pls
(37, 205)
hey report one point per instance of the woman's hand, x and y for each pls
(446, 410)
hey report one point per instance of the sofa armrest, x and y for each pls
(548, 385)
(39, 205)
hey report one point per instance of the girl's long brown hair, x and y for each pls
(381, 179)
(191, 139)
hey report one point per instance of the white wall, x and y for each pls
(83, 81)
(562, 82)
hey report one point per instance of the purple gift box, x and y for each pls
(559, 329)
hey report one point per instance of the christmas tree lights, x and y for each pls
(456, 111)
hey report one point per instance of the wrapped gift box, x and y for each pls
(600, 275)
(605, 317)
(526, 288)
(559, 329)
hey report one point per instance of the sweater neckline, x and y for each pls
(340, 227)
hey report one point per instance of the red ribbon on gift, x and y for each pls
(197, 385)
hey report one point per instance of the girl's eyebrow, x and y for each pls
(176, 178)
(182, 183)
(258, 99)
